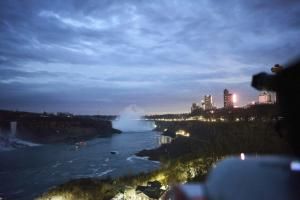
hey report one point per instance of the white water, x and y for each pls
(131, 120)
(25, 173)
(10, 143)
(9, 140)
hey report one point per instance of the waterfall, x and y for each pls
(13, 129)
(131, 120)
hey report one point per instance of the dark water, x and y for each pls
(26, 173)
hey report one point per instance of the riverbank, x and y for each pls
(218, 139)
(173, 172)
(184, 159)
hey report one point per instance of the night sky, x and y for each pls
(99, 56)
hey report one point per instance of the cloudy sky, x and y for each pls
(99, 56)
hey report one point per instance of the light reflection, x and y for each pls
(295, 166)
(183, 133)
(242, 156)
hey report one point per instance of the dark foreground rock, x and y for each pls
(180, 146)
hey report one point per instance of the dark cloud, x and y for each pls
(162, 55)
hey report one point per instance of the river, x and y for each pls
(25, 173)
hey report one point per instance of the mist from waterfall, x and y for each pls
(9, 140)
(131, 120)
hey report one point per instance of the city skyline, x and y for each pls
(98, 57)
(230, 100)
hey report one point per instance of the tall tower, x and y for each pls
(208, 102)
(194, 107)
(228, 100)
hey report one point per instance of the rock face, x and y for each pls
(54, 129)
(51, 130)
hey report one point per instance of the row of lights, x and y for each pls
(201, 119)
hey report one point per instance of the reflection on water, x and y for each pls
(25, 173)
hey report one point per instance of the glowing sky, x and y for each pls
(98, 56)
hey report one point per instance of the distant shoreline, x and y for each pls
(45, 129)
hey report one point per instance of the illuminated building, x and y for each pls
(164, 139)
(208, 102)
(228, 99)
(264, 98)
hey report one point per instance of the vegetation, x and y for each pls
(218, 139)
(208, 142)
(172, 172)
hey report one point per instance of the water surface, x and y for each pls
(27, 172)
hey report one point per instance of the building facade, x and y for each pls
(194, 107)
(228, 99)
(265, 98)
(208, 102)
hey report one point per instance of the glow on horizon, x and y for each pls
(234, 98)
(78, 62)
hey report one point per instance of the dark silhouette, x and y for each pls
(286, 83)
